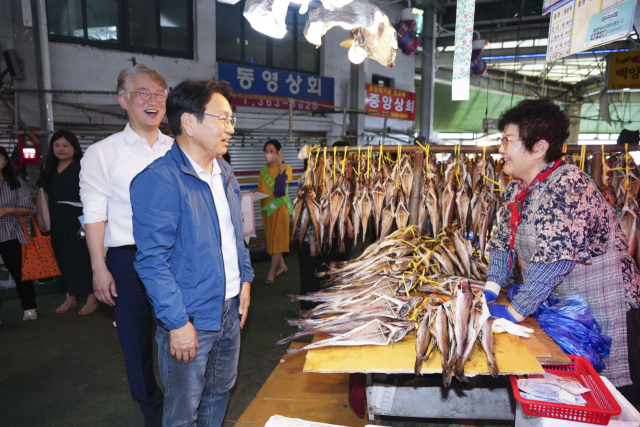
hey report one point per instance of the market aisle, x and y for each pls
(68, 370)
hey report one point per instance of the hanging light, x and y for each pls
(356, 54)
(267, 16)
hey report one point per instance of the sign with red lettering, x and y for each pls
(399, 104)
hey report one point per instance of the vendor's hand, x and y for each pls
(491, 291)
(104, 286)
(183, 343)
(503, 325)
(80, 236)
(245, 300)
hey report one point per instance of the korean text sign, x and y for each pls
(400, 104)
(256, 81)
(624, 71)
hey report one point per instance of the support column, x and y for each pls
(357, 93)
(44, 71)
(573, 111)
(428, 72)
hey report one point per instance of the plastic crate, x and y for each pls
(600, 406)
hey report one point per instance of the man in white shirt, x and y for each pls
(187, 225)
(107, 170)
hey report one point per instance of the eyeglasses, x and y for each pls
(145, 95)
(227, 120)
(504, 141)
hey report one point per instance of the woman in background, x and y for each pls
(15, 201)
(274, 179)
(60, 179)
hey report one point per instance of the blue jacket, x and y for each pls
(176, 229)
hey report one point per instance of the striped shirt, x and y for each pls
(10, 227)
(539, 281)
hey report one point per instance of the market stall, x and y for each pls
(412, 303)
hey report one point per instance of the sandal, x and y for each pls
(268, 282)
(282, 272)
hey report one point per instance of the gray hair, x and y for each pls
(126, 76)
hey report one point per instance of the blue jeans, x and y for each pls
(197, 393)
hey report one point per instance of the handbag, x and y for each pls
(38, 259)
(42, 205)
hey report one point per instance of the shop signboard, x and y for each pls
(399, 104)
(578, 25)
(263, 87)
(624, 70)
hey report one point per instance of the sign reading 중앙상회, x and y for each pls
(398, 104)
(263, 87)
(624, 70)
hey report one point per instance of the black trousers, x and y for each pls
(632, 392)
(134, 322)
(11, 253)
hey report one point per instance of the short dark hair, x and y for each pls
(192, 96)
(538, 119)
(276, 144)
(8, 173)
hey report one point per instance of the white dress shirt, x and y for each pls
(107, 169)
(227, 231)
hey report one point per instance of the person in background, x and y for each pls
(15, 201)
(107, 169)
(191, 256)
(60, 179)
(274, 181)
(227, 157)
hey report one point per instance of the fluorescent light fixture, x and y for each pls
(267, 16)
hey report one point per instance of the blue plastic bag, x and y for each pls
(570, 324)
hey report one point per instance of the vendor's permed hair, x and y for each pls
(538, 119)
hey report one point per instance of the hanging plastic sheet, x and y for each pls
(460, 84)
(267, 16)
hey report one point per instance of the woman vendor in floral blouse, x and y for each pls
(566, 237)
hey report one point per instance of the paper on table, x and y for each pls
(569, 384)
(382, 396)
(548, 392)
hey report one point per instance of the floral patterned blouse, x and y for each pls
(571, 224)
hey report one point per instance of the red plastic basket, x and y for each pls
(601, 405)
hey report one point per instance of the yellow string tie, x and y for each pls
(484, 168)
(604, 168)
(626, 163)
(456, 165)
(490, 180)
(324, 167)
(398, 168)
(369, 149)
(344, 159)
(564, 151)
(359, 147)
(380, 159)
(335, 159)
(583, 153)
(406, 288)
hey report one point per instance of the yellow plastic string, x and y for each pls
(564, 151)
(490, 180)
(413, 246)
(427, 160)
(626, 164)
(406, 288)
(484, 152)
(380, 159)
(324, 168)
(335, 159)
(359, 147)
(456, 165)
(315, 163)
(344, 159)
(583, 153)
(355, 171)
(369, 149)
(604, 167)
(398, 168)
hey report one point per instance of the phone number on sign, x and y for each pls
(267, 103)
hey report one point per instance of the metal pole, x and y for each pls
(16, 111)
(384, 130)
(428, 72)
(493, 149)
(290, 120)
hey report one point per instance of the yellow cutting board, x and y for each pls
(512, 356)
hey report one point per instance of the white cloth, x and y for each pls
(107, 169)
(227, 231)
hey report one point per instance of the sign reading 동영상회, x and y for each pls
(399, 104)
(624, 71)
(263, 87)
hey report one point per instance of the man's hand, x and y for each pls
(80, 236)
(183, 343)
(245, 299)
(4, 211)
(104, 286)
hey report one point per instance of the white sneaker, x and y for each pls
(30, 315)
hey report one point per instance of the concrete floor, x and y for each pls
(68, 370)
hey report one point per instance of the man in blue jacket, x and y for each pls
(191, 256)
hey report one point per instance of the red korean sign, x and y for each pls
(400, 104)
